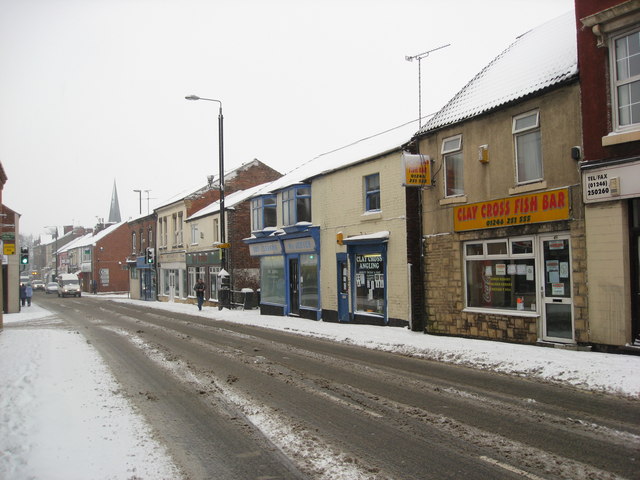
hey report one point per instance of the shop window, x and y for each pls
(369, 280)
(296, 205)
(501, 274)
(528, 147)
(372, 192)
(453, 166)
(626, 85)
(194, 274)
(309, 287)
(263, 212)
(272, 280)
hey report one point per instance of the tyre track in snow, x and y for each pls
(388, 416)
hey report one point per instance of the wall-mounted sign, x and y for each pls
(266, 248)
(300, 245)
(506, 212)
(611, 183)
(417, 170)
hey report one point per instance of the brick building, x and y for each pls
(608, 49)
(187, 250)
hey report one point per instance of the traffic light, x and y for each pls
(150, 255)
(24, 256)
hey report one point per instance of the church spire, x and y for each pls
(114, 211)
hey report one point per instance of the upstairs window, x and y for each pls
(296, 205)
(133, 242)
(626, 65)
(195, 234)
(453, 166)
(263, 212)
(372, 193)
(528, 146)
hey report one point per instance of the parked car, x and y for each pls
(68, 284)
(52, 287)
(37, 285)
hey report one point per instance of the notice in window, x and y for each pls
(501, 269)
(557, 289)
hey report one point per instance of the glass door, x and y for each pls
(294, 286)
(343, 287)
(557, 297)
(172, 285)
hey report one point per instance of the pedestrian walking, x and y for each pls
(200, 287)
(23, 294)
(29, 293)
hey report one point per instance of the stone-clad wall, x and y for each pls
(445, 288)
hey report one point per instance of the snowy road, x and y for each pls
(235, 401)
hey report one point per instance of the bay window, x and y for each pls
(296, 205)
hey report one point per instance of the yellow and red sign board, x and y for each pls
(547, 206)
(417, 170)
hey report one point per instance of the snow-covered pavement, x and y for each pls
(58, 397)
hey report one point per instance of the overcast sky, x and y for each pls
(92, 91)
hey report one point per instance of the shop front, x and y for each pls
(611, 193)
(367, 256)
(205, 266)
(146, 277)
(289, 271)
(518, 262)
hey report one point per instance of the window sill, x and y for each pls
(620, 138)
(497, 311)
(374, 215)
(452, 200)
(529, 187)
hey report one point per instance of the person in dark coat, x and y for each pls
(200, 287)
(29, 293)
(23, 294)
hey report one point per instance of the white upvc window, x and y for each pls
(195, 234)
(528, 147)
(453, 166)
(625, 63)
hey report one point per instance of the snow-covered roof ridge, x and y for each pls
(541, 58)
(230, 201)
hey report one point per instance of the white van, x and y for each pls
(68, 284)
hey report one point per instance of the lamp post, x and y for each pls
(221, 169)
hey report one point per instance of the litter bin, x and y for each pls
(247, 298)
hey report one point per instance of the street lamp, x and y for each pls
(221, 169)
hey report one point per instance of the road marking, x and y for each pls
(510, 468)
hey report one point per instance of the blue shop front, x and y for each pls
(146, 274)
(289, 270)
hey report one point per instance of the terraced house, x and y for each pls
(504, 229)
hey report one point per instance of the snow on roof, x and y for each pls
(230, 201)
(382, 235)
(77, 242)
(359, 151)
(541, 58)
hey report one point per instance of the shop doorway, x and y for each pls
(343, 287)
(172, 285)
(557, 297)
(294, 286)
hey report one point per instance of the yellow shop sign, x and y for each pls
(505, 212)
